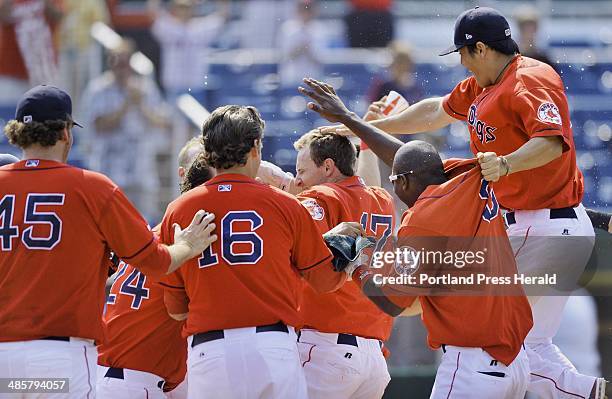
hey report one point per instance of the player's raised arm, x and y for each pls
(330, 106)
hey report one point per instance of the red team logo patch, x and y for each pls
(549, 113)
(316, 211)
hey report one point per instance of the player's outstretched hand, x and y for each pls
(491, 166)
(352, 229)
(326, 101)
(198, 235)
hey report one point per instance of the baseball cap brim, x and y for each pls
(452, 49)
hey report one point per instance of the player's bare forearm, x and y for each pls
(425, 116)
(330, 106)
(367, 168)
(178, 316)
(535, 153)
(383, 145)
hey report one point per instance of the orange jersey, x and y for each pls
(348, 310)
(140, 335)
(529, 101)
(57, 224)
(466, 206)
(251, 275)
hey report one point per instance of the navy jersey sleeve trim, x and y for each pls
(327, 258)
(139, 251)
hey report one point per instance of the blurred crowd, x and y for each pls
(129, 114)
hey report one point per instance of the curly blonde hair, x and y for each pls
(46, 133)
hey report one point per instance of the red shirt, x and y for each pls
(140, 335)
(58, 224)
(529, 101)
(348, 310)
(251, 275)
(32, 14)
(497, 324)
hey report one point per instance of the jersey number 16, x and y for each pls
(229, 238)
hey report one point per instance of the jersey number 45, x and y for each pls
(32, 216)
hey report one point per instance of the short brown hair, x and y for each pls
(198, 173)
(229, 134)
(46, 133)
(330, 145)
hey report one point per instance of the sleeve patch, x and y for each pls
(316, 211)
(549, 113)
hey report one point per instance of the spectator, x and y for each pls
(185, 40)
(27, 45)
(400, 76)
(528, 21)
(300, 42)
(76, 45)
(370, 23)
(127, 119)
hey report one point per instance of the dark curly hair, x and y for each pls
(229, 134)
(330, 146)
(198, 173)
(45, 133)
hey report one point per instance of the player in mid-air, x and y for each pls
(144, 352)
(58, 224)
(344, 327)
(481, 336)
(240, 297)
(518, 117)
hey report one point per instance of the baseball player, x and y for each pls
(518, 117)
(57, 225)
(343, 328)
(145, 354)
(240, 297)
(481, 337)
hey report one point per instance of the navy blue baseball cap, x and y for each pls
(6, 159)
(44, 103)
(481, 24)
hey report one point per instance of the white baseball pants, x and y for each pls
(471, 373)
(75, 359)
(562, 246)
(246, 364)
(134, 385)
(341, 371)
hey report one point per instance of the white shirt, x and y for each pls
(126, 155)
(184, 49)
(293, 35)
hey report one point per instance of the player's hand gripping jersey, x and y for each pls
(348, 310)
(251, 275)
(465, 206)
(529, 101)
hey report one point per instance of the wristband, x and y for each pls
(363, 146)
(504, 162)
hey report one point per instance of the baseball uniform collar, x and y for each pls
(230, 178)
